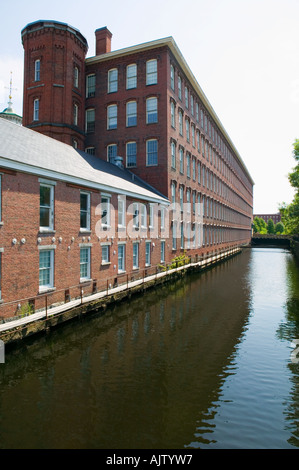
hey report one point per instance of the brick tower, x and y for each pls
(54, 81)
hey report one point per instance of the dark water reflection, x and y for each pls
(203, 363)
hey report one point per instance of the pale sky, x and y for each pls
(243, 53)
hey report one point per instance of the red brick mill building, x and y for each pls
(131, 123)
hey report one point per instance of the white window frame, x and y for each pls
(50, 208)
(37, 70)
(152, 110)
(121, 212)
(90, 123)
(112, 82)
(129, 163)
(88, 274)
(112, 117)
(76, 77)
(131, 113)
(50, 285)
(76, 114)
(106, 200)
(154, 162)
(85, 211)
(152, 72)
(90, 85)
(131, 81)
(111, 151)
(136, 255)
(162, 251)
(143, 215)
(36, 110)
(147, 253)
(121, 258)
(135, 218)
(105, 253)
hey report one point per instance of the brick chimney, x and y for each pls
(103, 40)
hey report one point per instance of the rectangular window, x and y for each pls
(131, 76)
(181, 123)
(36, 110)
(105, 254)
(46, 269)
(105, 207)
(121, 258)
(135, 255)
(90, 120)
(76, 114)
(172, 110)
(131, 114)
(131, 150)
(111, 152)
(76, 77)
(136, 215)
(143, 214)
(173, 193)
(37, 70)
(180, 87)
(174, 235)
(188, 166)
(162, 218)
(151, 72)
(151, 152)
(84, 264)
(188, 130)
(147, 253)
(112, 80)
(90, 86)
(151, 110)
(194, 169)
(90, 150)
(162, 252)
(121, 212)
(112, 117)
(181, 198)
(187, 97)
(172, 77)
(46, 206)
(84, 211)
(151, 216)
(182, 236)
(173, 156)
(192, 105)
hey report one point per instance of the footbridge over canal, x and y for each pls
(269, 240)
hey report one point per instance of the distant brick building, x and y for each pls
(275, 217)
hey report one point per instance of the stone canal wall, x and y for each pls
(42, 322)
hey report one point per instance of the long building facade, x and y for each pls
(141, 111)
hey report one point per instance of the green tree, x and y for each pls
(270, 227)
(279, 228)
(259, 225)
(290, 212)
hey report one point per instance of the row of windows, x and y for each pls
(131, 153)
(46, 261)
(131, 78)
(208, 206)
(139, 211)
(131, 115)
(196, 235)
(205, 122)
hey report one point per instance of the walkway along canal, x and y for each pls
(21, 326)
(202, 362)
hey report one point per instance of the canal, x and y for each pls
(202, 363)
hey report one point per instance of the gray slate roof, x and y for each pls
(27, 150)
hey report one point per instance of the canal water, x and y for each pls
(203, 363)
